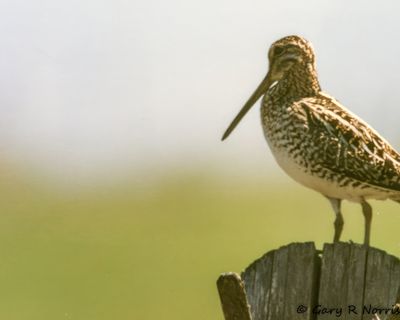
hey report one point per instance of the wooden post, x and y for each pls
(345, 281)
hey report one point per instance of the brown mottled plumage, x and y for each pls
(316, 140)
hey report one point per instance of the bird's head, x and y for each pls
(285, 55)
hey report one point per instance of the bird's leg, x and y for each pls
(367, 211)
(338, 224)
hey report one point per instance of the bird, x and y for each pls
(316, 140)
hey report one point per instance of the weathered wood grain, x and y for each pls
(282, 280)
(302, 280)
(233, 297)
(382, 281)
(257, 283)
(348, 282)
(342, 281)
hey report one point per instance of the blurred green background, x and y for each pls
(117, 198)
(154, 253)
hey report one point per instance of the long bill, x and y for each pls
(261, 89)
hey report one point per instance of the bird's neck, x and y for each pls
(300, 82)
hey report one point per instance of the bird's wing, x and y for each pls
(344, 144)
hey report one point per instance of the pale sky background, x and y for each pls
(87, 87)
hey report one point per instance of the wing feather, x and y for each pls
(345, 144)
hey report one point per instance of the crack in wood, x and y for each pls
(346, 281)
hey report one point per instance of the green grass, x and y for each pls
(155, 252)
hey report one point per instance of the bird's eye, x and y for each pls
(278, 51)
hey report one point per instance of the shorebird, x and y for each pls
(316, 140)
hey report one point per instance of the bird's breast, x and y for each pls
(288, 140)
(284, 138)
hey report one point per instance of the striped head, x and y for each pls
(288, 54)
(291, 59)
(292, 43)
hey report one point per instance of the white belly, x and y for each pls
(326, 187)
